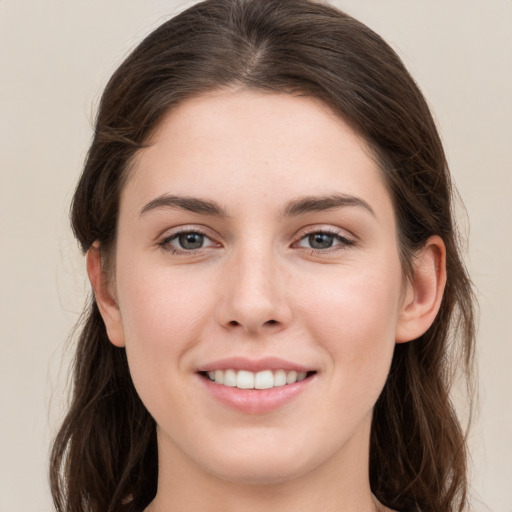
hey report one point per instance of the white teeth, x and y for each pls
(265, 379)
(291, 377)
(219, 376)
(279, 378)
(245, 380)
(229, 378)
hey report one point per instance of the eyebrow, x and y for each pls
(311, 204)
(294, 208)
(191, 204)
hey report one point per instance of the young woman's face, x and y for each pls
(257, 245)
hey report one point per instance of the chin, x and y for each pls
(267, 472)
(262, 465)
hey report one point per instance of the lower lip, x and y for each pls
(256, 401)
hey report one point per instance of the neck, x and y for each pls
(251, 498)
(341, 483)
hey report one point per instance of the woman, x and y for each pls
(279, 301)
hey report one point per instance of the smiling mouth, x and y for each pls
(266, 379)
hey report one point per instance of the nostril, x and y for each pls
(267, 323)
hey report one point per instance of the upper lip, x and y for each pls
(253, 365)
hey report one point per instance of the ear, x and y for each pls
(105, 297)
(424, 292)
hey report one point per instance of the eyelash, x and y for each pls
(166, 242)
(343, 241)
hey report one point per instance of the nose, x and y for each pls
(254, 293)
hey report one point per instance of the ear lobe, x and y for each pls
(424, 292)
(104, 296)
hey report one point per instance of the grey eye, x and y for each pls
(191, 241)
(187, 242)
(320, 240)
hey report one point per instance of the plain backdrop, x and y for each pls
(56, 56)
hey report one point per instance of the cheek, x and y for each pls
(354, 318)
(163, 313)
(163, 316)
(160, 300)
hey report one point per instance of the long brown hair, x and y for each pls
(104, 457)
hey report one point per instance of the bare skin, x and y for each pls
(257, 227)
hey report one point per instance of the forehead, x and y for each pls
(253, 146)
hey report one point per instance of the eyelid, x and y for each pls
(164, 240)
(325, 228)
(345, 238)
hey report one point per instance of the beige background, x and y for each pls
(55, 58)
